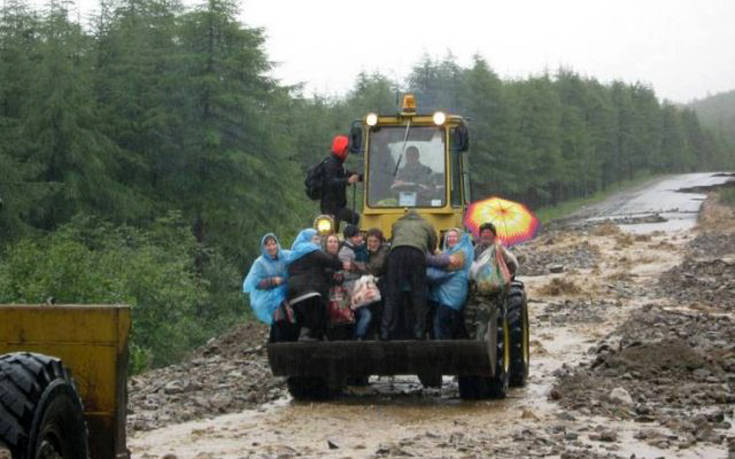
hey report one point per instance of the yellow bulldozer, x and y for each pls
(413, 162)
(63, 372)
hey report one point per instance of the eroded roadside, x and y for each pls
(603, 381)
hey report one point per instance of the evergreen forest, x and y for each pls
(143, 153)
(717, 113)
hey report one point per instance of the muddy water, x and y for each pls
(396, 416)
(388, 412)
(676, 199)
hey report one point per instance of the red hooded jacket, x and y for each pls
(339, 146)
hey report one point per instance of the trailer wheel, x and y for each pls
(308, 388)
(41, 415)
(519, 335)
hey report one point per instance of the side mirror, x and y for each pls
(356, 137)
(460, 138)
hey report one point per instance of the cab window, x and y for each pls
(407, 167)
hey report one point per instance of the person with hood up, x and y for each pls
(308, 283)
(336, 179)
(265, 283)
(448, 289)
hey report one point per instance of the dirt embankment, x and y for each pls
(670, 367)
(226, 375)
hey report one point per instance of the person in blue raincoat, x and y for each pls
(448, 289)
(309, 269)
(266, 280)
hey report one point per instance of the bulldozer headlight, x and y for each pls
(371, 119)
(439, 118)
(324, 225)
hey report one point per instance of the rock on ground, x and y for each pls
(226, 375)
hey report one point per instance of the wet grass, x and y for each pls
(727, 197)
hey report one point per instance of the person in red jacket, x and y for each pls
(336, 178)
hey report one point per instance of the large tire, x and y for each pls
(482, 387)
(308, 388)
(519, 334)
(472, 387)
(41, 415)
(430, 380)
(497, 385)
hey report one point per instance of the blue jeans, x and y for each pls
(363, 316)
(447, 322)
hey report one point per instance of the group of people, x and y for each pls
(290, 289)
(422, 290)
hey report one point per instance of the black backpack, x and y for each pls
(314, 181)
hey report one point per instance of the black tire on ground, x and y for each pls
(358, 381)
(430, 380)
(498, 384)
(40, 411)
(308, 388)
(519, 334)
(472, 387)
(482, 387)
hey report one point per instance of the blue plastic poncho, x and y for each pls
(265, 301)
(450, 287)
(302, 245)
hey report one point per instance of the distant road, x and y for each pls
(676, 198)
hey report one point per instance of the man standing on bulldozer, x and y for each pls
(336, 178)
(412, 239)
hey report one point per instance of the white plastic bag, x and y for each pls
(365, 291)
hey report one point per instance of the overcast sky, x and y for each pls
(684, 49)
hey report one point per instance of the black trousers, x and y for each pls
(310, 313)
(406, 273)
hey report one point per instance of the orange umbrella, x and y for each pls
(513, 221)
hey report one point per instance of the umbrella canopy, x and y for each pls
(513, 221)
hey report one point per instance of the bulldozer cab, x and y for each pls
(413, 161)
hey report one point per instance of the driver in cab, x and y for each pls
(413, 173)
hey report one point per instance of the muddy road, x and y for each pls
(632, 354)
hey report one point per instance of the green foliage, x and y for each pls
(717, 114)
(727, 197)
(89, 261)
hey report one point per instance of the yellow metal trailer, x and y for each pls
(92, 342)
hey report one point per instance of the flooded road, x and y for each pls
(397, 417)
(666, 204)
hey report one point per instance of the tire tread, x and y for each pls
(24, 376)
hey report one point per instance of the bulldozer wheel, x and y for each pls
(519, 335)
(498, 384)
(430, 380)
(41, 415)
(308, 388)
(482, 387)
(472, 387)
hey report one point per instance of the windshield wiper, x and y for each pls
(403, 148)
